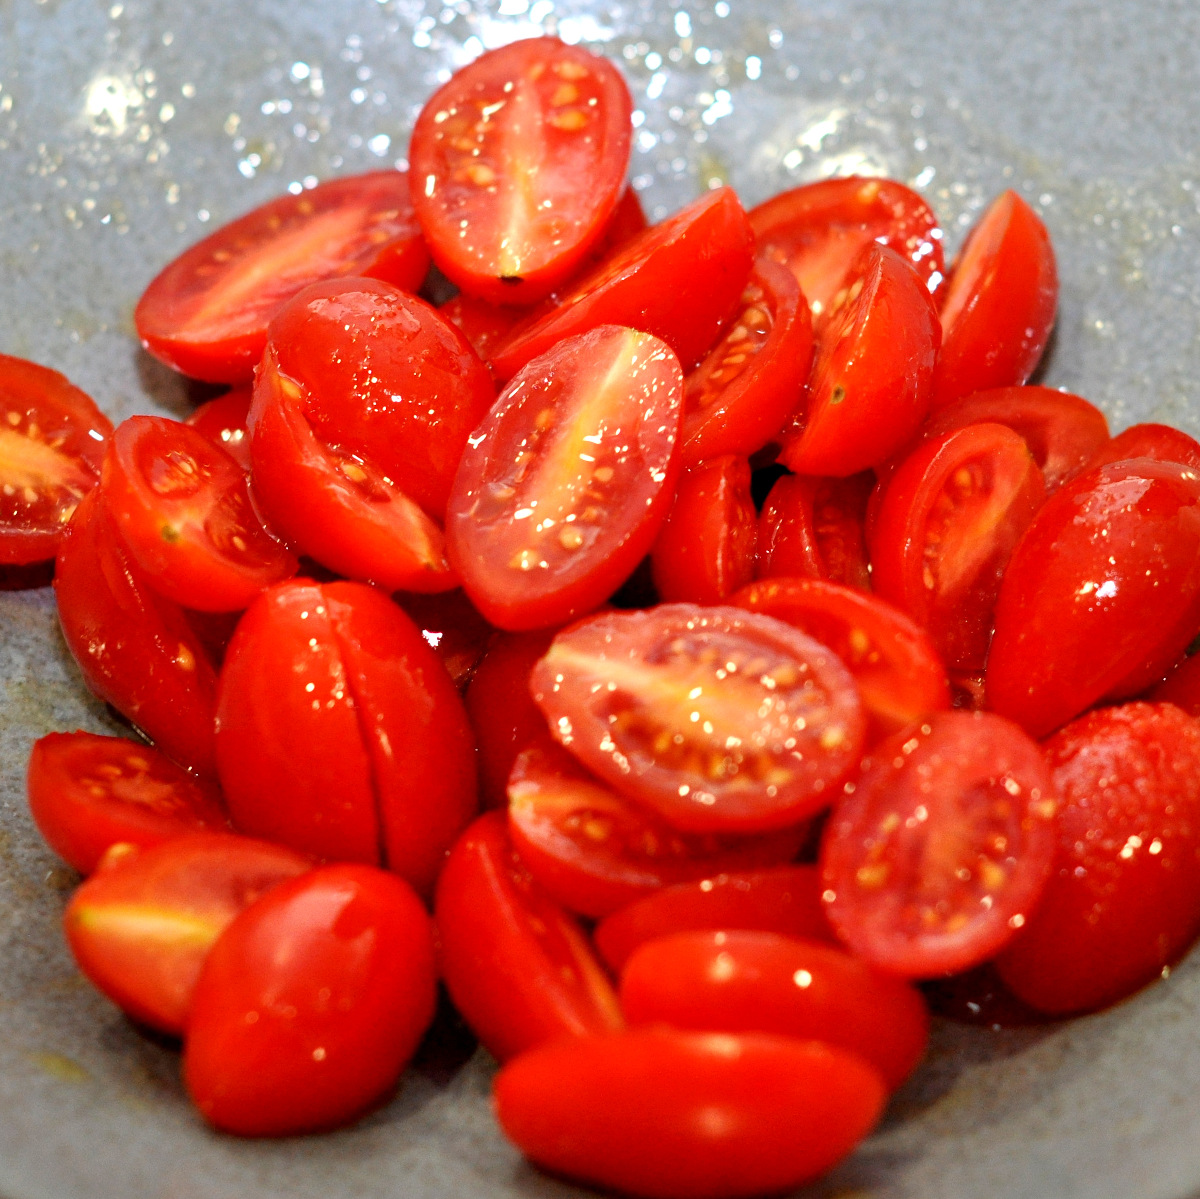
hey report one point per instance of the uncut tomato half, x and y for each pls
(498, 157)
(52, 439)
(564, 485)
(206, 314)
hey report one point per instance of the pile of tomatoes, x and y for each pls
(796, 648)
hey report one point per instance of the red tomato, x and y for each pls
(135, 649)
(936, 858)
(627, 221)
(786, 900)
(705, 549)
(311, 1003)
(679, 1115)
(88, 792)
(453, 628)
(819, 229)
(565, 483)
(720, 720)
(1103, 592)
(224, 420)
(52, 439)
(946, 529)
(499, 154)
(899, 675)
(519, 969)
(746, 981)
(653, 284)
(594, 852)
(141, 929)
(182, 507)
(1160, 442)
(998, 306)
(872, 378)
(741, 395)
(484, 325)
(1124, 901)
(206, 314)
(1181, 687)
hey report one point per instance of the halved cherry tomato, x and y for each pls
(745, 981)
(666, 1114)
(182, 507)
(141, 929)
(998, 305)
(627, 221)
(872, 379)
(52, 439)
(899, 675)
(1124, 901)
(785, 900)
(719, 719)
(88, 792)
(819, 230)
(594, 852)
(206, 314)
(564, 485)
(452, 626)
(224, 421)
(705, 549)
(135, 649)
(519, 969)
(484, 325)
(949, 522)
(751, 381)
(311, 1003)
(1160, 442)
(498, 157)
(1102, 593)
(1181, 687)
(939, 854)
(653, 284)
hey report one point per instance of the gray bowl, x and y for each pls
(128, 130)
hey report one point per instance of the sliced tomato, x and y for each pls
(519, 969)
(224, 421)
(627, 221)
(52, 439)
(452, 626)
(873, 375)
(940, 853)
(751, 381)
(497, 156)
(899, 675)
(565, 484)
(484, 325)
(1181, 687)
(652, 284)
(135, 649)
(141, 930)
(819, 230)
(87, 793)
(1160, 442)
(721, 720)
(206, 313)
(949, 522)
(998, 305)
(705, 549)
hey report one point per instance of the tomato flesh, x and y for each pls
(223, 421)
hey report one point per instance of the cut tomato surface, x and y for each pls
(224, 420)
(206, 313)
(1160, 442)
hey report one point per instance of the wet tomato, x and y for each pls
(223, 421)
(451, 625)
(1160, 442)
(1181, 687)
(484, 325)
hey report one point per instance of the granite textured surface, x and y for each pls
(128, 129)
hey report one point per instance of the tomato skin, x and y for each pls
(899, 674)
(87, 793)
(134, 648)
(1124, 899)
(666, 1114)
(584, 442)
(784, 900)
(140, 930)
(705, 548)
(451, 625)
(942, 850)
(653, 283)
(1160, 442)
(998, 305)
(40, 407)
(223, 421)
(338, 968)
(519, 969)
(1102, 591)
(206, 313)
(484, 325)
(1181, 687)
(509, 222)
(872, 379)
(740, 980)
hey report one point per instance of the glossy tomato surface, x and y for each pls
(484, 325)
(206, 313)
(1181, 687)
(223, 421)
(453, 627)
(1160, 442)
